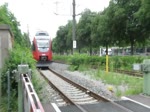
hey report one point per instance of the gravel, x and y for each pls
(85, 80)
(47, 95)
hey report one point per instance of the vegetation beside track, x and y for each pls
(115, 62)
(39, 86)
(122, 84)
(19, 54)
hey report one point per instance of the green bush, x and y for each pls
(18, 55)
(115, 62)
(61, 58)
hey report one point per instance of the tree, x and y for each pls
(55, 47)
(8, 18)
(143, 17)
(84, 30)
(69, 42)
(64, 38)
(126, 27)
(122, 23)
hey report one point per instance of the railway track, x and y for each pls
(132, 73)
(74, 95)
(70, 91)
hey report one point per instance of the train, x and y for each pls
(42, 47)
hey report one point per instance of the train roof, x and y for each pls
(40, 35)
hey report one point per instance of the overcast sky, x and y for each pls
(39, 14)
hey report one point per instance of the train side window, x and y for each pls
(33, 46)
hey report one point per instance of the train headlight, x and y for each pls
(43, 54)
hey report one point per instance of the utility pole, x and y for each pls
(56, 6)
(74, 27)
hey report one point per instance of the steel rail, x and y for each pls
(57, 89)
(130, 73)
(67, 99)
(92, 94)
(89, 92)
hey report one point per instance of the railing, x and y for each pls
(28, 100)
(31, 102)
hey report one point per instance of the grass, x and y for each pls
(117, 78)
(78, 67)
(4, 104)
(130, 85)
(134, 84)
(39, 84)
(118, 92)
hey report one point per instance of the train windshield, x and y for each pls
(43, 43)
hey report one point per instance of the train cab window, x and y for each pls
(33, 46)
(41, 34)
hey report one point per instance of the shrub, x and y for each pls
(18, 55)
(115, 62)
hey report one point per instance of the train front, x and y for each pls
(44, 51)
(42, 48)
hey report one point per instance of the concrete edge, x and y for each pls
(126, 98)
(55, 107)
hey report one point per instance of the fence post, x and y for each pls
(146, 72)
(22, 69)
(8, 90)
(28, 100)
(0, 86)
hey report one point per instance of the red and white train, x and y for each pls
(42, 47)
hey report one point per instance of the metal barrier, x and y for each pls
(31, 102)
(28, 100)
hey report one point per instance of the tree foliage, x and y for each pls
(8, 18)
(123, 23)
(63, 41)
(143, 16)
(84, 30)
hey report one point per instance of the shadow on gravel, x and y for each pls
(43, 68)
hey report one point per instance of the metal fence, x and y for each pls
(31, 102)
(28, 100)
